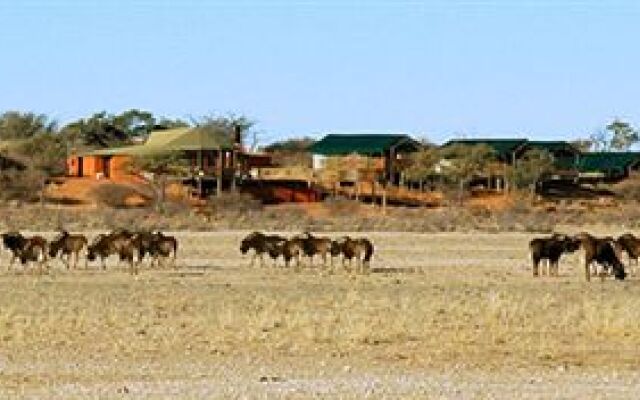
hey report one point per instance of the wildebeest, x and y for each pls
(313, 245)
(162, 246)
(551, 249)
(293, 249)
(26, 249)
(359, 248)
(118, 243)
(261, 244)
(631, 245)
(14, 242)
(602, 251)
(67, 245)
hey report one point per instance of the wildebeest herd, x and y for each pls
(308, 246)
(131, 247)
(602, 255)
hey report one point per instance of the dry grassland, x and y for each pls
(443, 316)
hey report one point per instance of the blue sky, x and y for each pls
(544, 69)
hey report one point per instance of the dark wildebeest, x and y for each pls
(631, 245)
(551, 249)
(118, 243)
(26, 249)
(293, 249)
(14, 242)
(34, 250)
(603, 251)
(261, 244)
(162, 246)
(68, 245)
(359, 248)
(313, 245)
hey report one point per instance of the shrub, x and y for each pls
(119, 196)
(233, 202)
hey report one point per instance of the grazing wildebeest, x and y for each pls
(119, 243)
(261, 244)
(551, 249)
(631, 245)
(603, 251)
(359, 248)
(68, 245)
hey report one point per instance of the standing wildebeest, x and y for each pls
(261, 244)
(68, 245)
(359, 248)
(14, 242)
(631, 245)
(119, 243)
(313, 245)
(26, 249)
(293, 249)
(162, 246)
(34, 250)
(602, 251)
(551, 249)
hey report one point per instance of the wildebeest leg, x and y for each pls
(536, 266)
(587, 270)
(13, 259)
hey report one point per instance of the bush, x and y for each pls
(22, 186)
(233, 202)
(119, 196)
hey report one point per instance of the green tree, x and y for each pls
(622, 135)
(532, 167)
(583, 145)
(291, 152)
(24, 125)
(106, 130)
(422, 164)
(231, 125)
(463, 163)
(617, 136)
(98, 130)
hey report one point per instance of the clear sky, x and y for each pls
(545, 69)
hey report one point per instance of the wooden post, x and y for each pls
(373, 193)
(234, 170)
(384, 200)
(357, 184)
(219, 174)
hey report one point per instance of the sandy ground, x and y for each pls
(442, 316)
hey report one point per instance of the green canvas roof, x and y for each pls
(551, 145)
(178, 139)
(365, 144)
(607, 162)
(502, 147)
